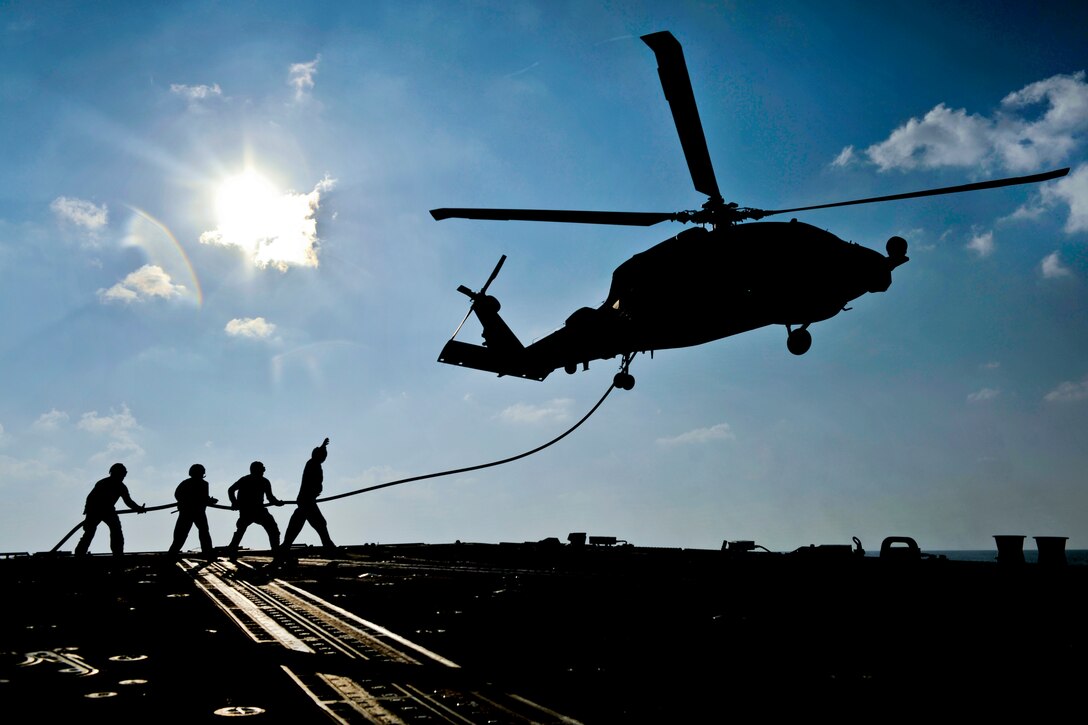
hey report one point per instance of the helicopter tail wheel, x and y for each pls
(799, 341)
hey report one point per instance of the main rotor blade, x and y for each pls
(619, 218)
(676, 83)
(992, 184)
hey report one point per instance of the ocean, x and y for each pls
(1074, 557)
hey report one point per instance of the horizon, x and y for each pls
(215, 247)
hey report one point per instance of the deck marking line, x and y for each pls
(251, 610)
(370, 625)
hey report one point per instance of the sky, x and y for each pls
(215, 248)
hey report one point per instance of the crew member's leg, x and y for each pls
(266, 520)
(244, 520)
(181, 530)
(294, 526)
(90, 525)
(117, 537)
(317, 520)
(200, 518)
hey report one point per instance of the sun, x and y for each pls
(273, 227)
(246, 207)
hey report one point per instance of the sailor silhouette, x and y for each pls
(309, 490)
(193, 501)
(99, 509)
(247, 496)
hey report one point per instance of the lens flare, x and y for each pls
(164, 250)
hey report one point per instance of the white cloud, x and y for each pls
(118, 428)
(252, 327)
(1068, 392)
(301, 77)
(982, 244)
(1030, 144)
(373, 476)
(1052, 267)
(719, 432)
(148, 281)
(1031, 209)
(194, 94)
(1015, 138)
(50, 421)
(981, 396)
(845, 157)
(277, 230)
(557, 410)
(943, 137)
(26, 470)
(80, 212)
(114, 424)
(1071, 190)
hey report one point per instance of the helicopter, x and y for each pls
(720, 278)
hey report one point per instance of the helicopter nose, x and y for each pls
(897, 248)
(880, 277)
(897, 252)
(880, 271)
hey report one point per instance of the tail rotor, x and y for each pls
(477, 296)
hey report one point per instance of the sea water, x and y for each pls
(1074, 557)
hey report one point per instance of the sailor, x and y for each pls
(99, 509)
(309, 490)
(247, 496)
(193, 501)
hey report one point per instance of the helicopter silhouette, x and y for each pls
(708, 282)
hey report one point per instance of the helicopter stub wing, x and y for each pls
(676, 82)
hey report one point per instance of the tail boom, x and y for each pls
(489, 360)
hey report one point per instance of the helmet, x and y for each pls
(117, 469)
(256, 467)
(196, 470)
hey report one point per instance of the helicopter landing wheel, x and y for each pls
(624, 381)
(799, 341)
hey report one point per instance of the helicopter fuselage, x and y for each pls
(703, 285)
(696, 287)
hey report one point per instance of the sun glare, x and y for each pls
(245, 206)
(275, 228)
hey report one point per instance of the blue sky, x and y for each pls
(145, 148)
